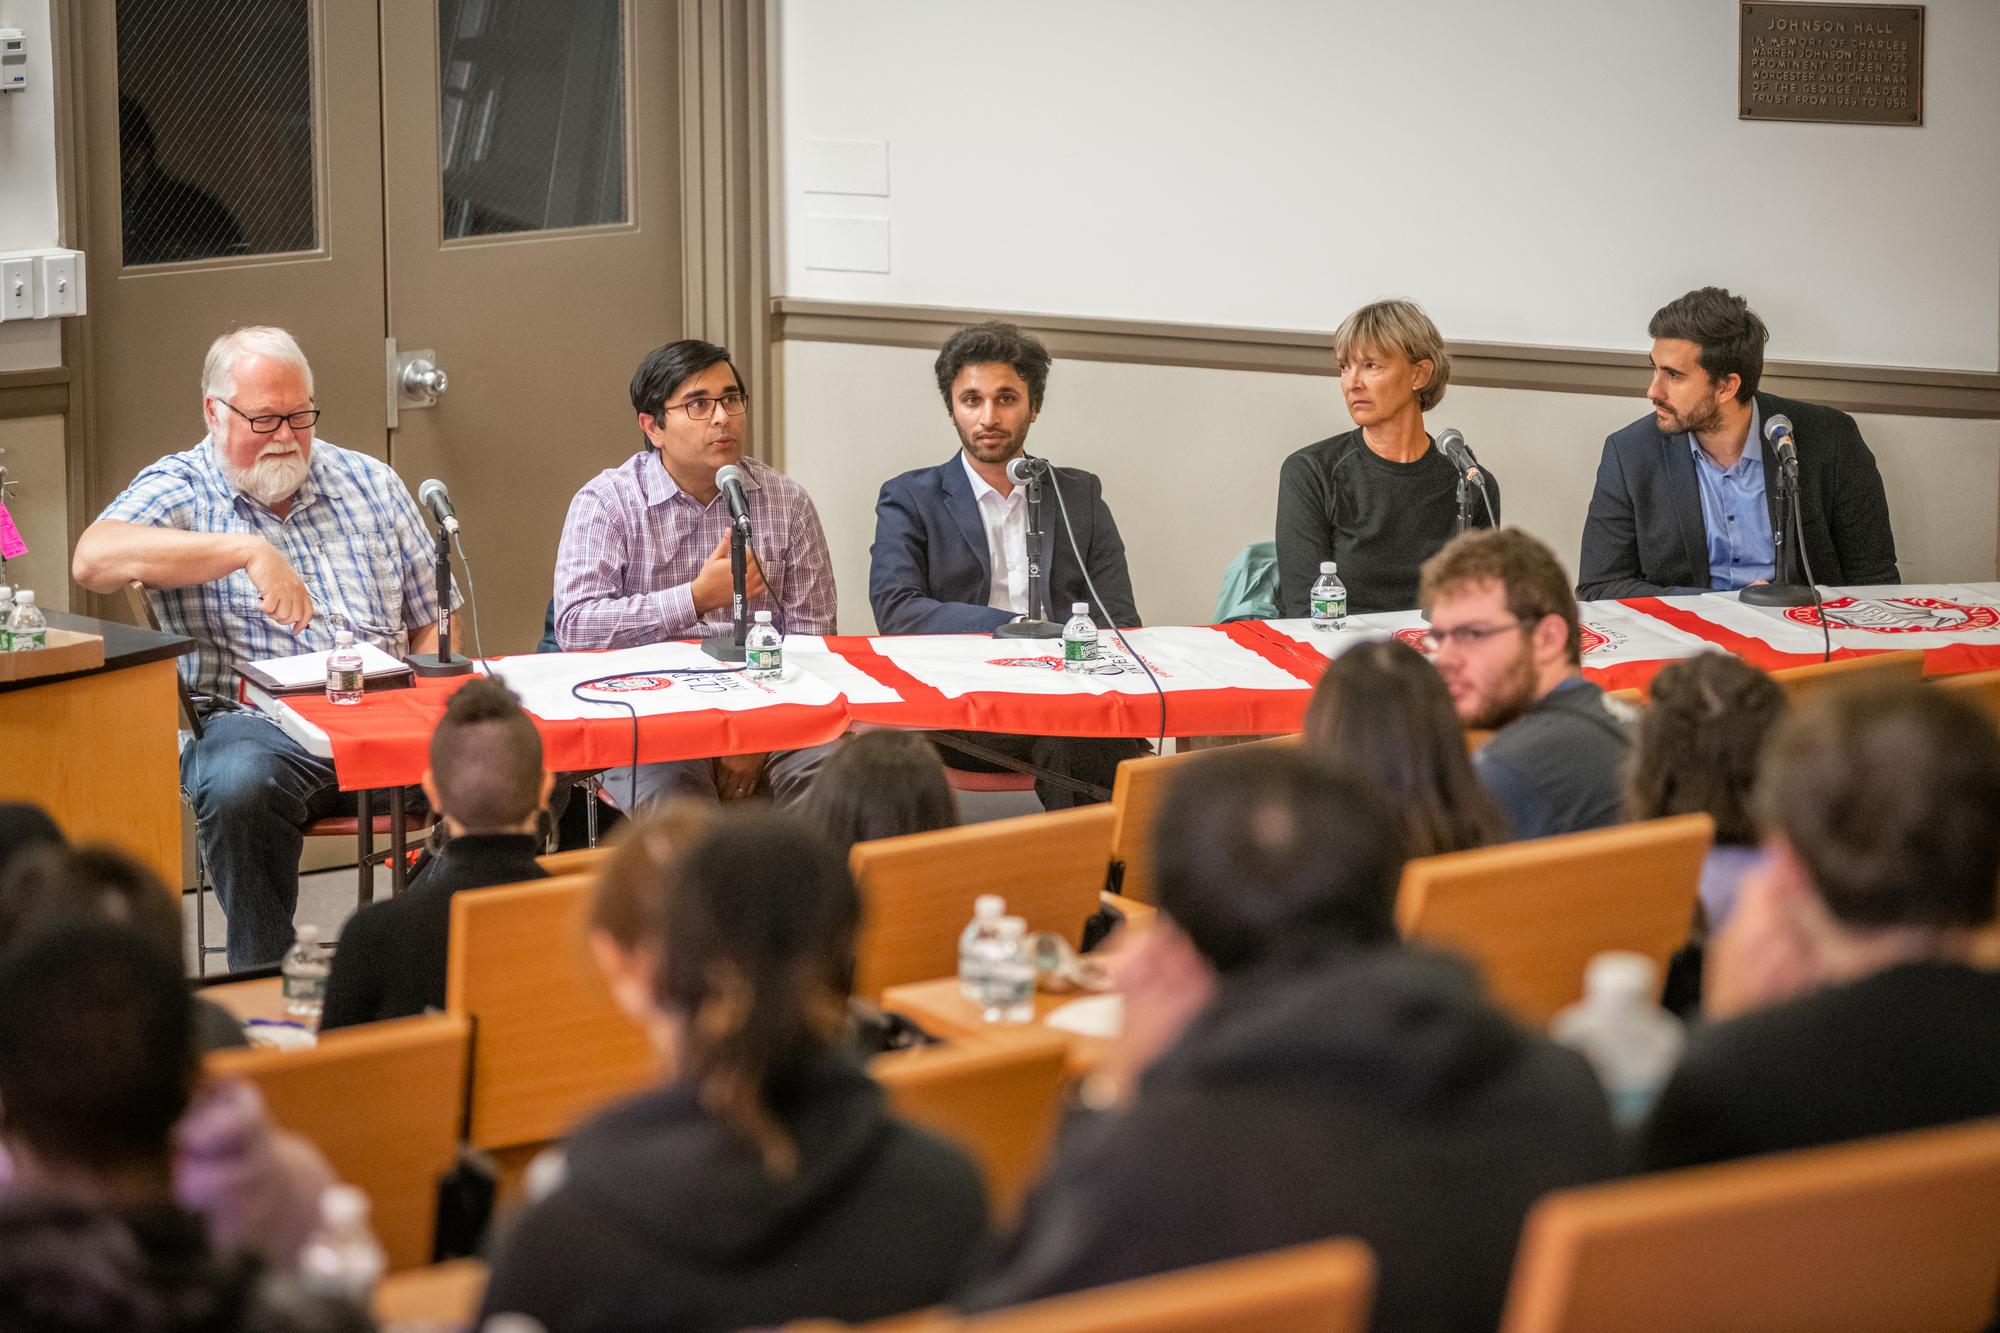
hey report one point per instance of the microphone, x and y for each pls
(1026, 468)
(438, 501)
(730, 478)
(1452, 445)
(1778, 433)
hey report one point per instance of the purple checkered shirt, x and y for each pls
(634, 541)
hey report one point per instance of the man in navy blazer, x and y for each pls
(1682, 505)
(950, 552)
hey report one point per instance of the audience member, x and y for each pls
(257, 1186)
(97, 1068)
(881, 784)
(1848, 1006)
(1339, 1082)
(1509, 644)
(1383, 711)
(24, 827)
(766, 1181)
(486, 778)
(1380, 500)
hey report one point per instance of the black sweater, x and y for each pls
(1339, 500)
(666, 1222)
(391, 959)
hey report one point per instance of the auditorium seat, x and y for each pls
(384, 1103)
(1981, 687)
(1892, 1233)
(1531, 915)
(1327, 1286)
(1135, 797)
(1803, 682)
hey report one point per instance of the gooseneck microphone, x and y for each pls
(1026, 468)
(1451, 443)
(1788, 554)
(438, 500)
(729, 478)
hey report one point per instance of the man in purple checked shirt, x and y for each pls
(645, 553)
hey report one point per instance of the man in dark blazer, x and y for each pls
(1682, 504)
(950, 553)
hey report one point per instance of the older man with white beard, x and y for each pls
(261, 542)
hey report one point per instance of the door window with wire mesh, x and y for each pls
(215, 129)
(531, 128)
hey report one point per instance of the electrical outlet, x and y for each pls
(17, 288)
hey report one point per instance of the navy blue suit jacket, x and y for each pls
(928, 571)
(1645, 538)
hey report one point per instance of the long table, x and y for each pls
(1238, 679)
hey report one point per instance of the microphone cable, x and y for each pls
(472, 605)
(632, 770)
(1062, 506)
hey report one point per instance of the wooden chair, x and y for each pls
(1327, 1286)
(549, 1044)
(1632, 695)
(1135, 797)
(383, 1102)
(575, 861)
(1892, 1233)
(1803, 682)
(999, 1097)
(1981, 687)
(1532, 914)
(917, 890)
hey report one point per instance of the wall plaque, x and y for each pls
(1851, 64)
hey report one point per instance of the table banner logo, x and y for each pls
(1897, 615)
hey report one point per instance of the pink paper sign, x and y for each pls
(11, 545)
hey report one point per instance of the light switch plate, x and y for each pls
(17, 288)
(61, 290)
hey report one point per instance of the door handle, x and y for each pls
(415, 379)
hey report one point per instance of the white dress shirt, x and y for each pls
(1005, 518)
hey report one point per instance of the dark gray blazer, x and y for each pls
(928, 569)
(1644, 536)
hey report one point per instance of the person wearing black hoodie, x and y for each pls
(766, 1182)
(1337, 1083)
(486, 778)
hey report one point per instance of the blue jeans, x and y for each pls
(785, 778)
(254, 791)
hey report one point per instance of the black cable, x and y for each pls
(632, 771)
(1083, 565)
(777, 594)
(472, 604)
(1805, 562)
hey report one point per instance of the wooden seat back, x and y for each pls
(997, 1096)
(1533, 914)
(917, 890)
(1135, 801)
(1900, 1232)
(1980, 687)
(575, 861)
(1327, 1286)
(549, 1044)
(1803, 682)
(383, 1103)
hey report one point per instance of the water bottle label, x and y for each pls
(1080, 650)
(764, 659)
(27, 640)
(306, 989)
(343, 682)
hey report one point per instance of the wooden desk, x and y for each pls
(939, 1009)
(263, 998)
(99, 749)
(442, 1296)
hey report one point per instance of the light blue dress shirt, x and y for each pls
(1734, 513)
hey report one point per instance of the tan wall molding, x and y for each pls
(35, 393)
(1892, 390)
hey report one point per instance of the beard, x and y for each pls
(1704, 416)
(1000, 449)
(1509, 698)
(268, 481)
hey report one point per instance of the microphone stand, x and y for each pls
(1037, 625)
(1784, 589)
(1464, 503)
(443, 662)
(732, 649)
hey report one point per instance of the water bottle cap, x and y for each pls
(25, 597)
(1327, 566)
(308, 934)
(763, 617)
(1619, 976)
(989, 905)
(1079, 608)
(343, 638)
(343, 1206)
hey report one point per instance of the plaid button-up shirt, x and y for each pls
(353, 534)
(634, 541)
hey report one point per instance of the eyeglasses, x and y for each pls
(703, 409)
(268, 425)
(1466, 636)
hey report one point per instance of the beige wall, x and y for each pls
(1190, 461)
(40, 506)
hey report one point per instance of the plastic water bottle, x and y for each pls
(1010, 975)
(305, 970)
(1630, 1041)
(27, 628)
(6, 612)
(763, 650)
(1329, 598)
(975, 943)
(1079, 639)
(342, 1257)
(343, 670)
